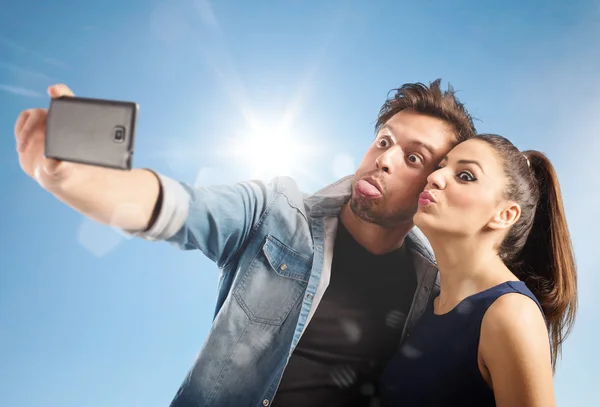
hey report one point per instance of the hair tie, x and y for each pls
(527, 159)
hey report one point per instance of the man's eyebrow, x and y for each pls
(416, 143)
(426, 146)
(382, 128)
(388, 128)
(463, 161)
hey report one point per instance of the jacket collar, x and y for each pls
(329, 201)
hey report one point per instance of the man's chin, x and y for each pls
(363, 209)
(369, 212)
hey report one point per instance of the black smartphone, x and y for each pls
(91, 131)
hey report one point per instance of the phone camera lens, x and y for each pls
(119, 134)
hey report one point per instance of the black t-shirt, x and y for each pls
(355, 330)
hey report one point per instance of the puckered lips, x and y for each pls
(426, 198)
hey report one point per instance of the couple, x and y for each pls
(335, 299)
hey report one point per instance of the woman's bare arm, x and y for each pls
(515, 349)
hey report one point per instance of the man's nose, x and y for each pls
(386, 160)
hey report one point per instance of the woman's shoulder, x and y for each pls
(514, 323)
(513, 310)
(509, 301)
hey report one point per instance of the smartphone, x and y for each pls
(91, 131)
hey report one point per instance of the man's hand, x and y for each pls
(123, 199)
(30, 133)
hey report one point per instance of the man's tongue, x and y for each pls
(367, 189)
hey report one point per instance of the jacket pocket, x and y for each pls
(273, 282)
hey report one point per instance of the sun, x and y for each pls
(268, 148)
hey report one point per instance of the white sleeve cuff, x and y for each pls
(173, 212)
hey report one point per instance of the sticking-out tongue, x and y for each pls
(365, 188)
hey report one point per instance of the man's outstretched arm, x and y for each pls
(215, 220)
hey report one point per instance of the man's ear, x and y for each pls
(507, 215)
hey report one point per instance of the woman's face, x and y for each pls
(465, 195)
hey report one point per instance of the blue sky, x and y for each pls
(90, 317)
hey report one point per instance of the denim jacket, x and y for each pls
(274, 247)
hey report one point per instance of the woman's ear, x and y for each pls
(507, 215)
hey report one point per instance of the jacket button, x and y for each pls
(265, 402)
(309, 297)
(283, 267)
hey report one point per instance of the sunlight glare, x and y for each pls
(269, 150)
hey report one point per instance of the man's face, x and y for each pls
(394, 170)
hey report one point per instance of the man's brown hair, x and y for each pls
(431, 101)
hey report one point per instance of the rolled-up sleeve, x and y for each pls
(216, 219)
(173, 211)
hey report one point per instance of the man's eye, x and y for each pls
(415, 158)
(466, 176)
(384, 142)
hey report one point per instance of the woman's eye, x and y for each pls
(414, 158)
(466, 176)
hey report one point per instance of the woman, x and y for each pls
(508, 287)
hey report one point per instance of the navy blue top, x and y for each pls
(437, 364)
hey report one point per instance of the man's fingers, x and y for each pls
(21, 120)
(59, 90)
(25, 126)
(33, 119)
(45, 172)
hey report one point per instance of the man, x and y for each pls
(315, 292)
